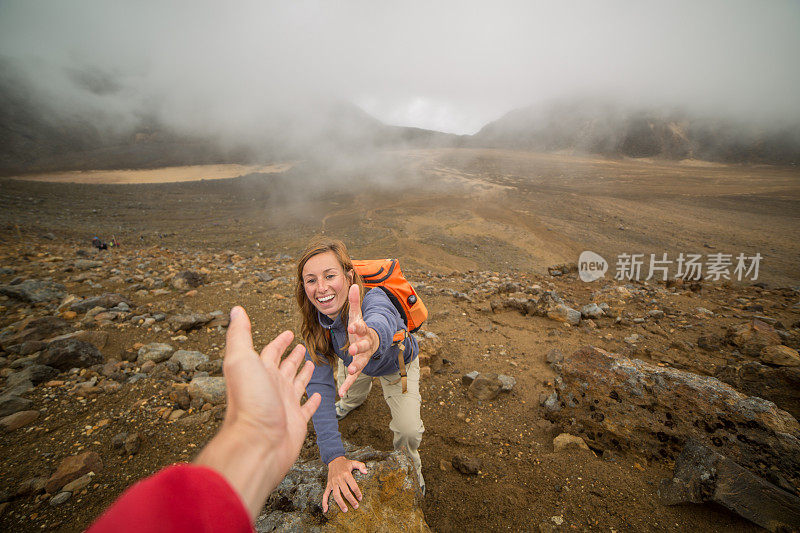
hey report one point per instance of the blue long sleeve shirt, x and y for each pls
(380, 315)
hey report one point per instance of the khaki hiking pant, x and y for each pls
(406, 421)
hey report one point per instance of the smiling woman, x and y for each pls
(354, 329)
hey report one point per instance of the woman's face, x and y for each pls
(326, 284)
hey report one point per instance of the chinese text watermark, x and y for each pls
(687, 266)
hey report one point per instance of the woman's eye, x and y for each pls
(330, 276)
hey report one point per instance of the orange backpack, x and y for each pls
(386, 275)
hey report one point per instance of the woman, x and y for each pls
(346, 326)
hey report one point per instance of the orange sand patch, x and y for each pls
(157, 175)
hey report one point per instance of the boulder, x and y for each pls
(777, 384)
(752, 337)
(565, 442)
(34, 373)
(70, 353)
(189, 322)
(551, 305)
(35, 330)
(702, 475)
(10, 404)
(18, 420)
(209, 388)
(485, 387)
(391, 498)
(780, 355)
(189, 360)
(87, 264)
(73, 467)
(155, 351)
(106, 301)
(188, 279)
(617, 403)
(34, 291)
(591, 310)
(466, 464)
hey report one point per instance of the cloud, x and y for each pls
(230, 68)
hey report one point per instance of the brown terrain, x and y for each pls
(476, 231)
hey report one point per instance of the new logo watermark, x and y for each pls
(688, 266)
(591, 266)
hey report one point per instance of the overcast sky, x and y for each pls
(451, 66)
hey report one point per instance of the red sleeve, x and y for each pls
(180, 498)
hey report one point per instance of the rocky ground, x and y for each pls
(111, 367)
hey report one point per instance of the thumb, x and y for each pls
(354, 298)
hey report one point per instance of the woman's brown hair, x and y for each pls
(316, 338)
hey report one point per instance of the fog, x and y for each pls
(244, 70)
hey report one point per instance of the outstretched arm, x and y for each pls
(364, 341)
(265, 425)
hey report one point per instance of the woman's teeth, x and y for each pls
(325, 299)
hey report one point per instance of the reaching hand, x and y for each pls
(363, 340)
(265, 425)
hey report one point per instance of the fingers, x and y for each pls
(238, 339)
(361, 466)
(310, 406)
(301, 380)
(325, 499)
(359, 347)
(357, 327)
(272, 352)
(347, 490)
(351, 483)
(337, 496)
(354, 297)
(348, 382)
(288, 367)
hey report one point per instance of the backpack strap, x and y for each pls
(399, 340)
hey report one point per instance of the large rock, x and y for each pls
(485, 387)
(106, 301)
(776, 384)
(618, 403)
(752, 337)
(190, 322)
(34, 330)
(10, 404)
(189, 360)
(155, 351)
(391, 498)
(188, 279)
(73, 467)
(702, 475)
(34, 373)
(780, 355)
(209, 388)
(18, 420)
(34, 291)
(70, 353)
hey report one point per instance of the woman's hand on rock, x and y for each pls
(342, 484)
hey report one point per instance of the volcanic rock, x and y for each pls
(701, 475)
(752, 337)
(189, 360)
(391, 498)
(485, 387)
(71, 353)
(780, 355)
(155, 351)
(466, 464)
(18, 420)
(72, 468)
(209, 388)
(187, 279)
(106, 301)
(34, 291)
(189, 322)
(620, 403)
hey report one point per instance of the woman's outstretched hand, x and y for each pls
(363, 340)
(342, 484)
